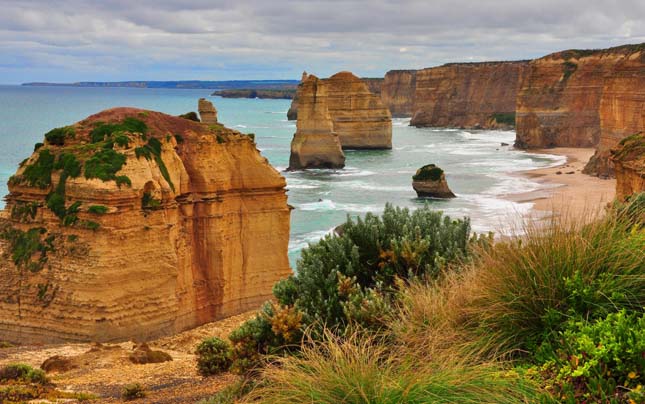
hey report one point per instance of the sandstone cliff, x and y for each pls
(468, 95)
(132, 224)
(398, 91)
(559, 100)
(315, 144)
(629, 162)
(622, 108)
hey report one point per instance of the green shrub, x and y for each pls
(104, 165)
(22, 211)
(98, 209)
(102, 131)
(57, 136)
(506, 118)
(568, 68)
(69, 164)
(601, 359)
(428, 172)
(38, 146)
(39, 173)
(56, 203)
(122, 140)
(133, 391)
(213, 356)
(23, 245)
(20, 372)
(179, 139)
(123, 180)
(148, 202)
(91, 225)
(153, 149)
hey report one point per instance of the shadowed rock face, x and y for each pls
(196, 230)
(629, 162)
(430, 181)
(467, 95)
(314, 144)
(398, 92)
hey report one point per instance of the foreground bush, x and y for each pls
(363, 370)
(20, 372)
(350, 278)
(213, 356)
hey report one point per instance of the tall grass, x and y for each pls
(364, 370)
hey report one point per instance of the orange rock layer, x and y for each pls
(467, 95)
(629, 162)
(201, 233)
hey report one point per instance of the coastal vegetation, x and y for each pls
(410, 308)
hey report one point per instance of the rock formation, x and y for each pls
(359, 117)
(467, 95)
(207, 111)
(629, 162)
(315, 144)
(622, 109)
(132, 224)
(430, 181)
(398, 92)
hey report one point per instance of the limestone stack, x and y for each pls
(430, 181)
(358, 116)
(207, 111)
(132, 224)
(467, 95)
(315, 144)
(622, 109)
(629, 162)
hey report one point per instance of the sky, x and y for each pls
(115, 40)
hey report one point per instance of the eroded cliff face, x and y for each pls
(467, 95)
(358, 116)
(398, 92)
(628, 159)
(622, 109)
(132, 224)
(315, 144)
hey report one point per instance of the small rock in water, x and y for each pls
(430, 181)
(504, 144)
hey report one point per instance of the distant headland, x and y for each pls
(181, 84)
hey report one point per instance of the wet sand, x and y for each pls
(568, 191)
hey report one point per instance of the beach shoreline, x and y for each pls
(565, 190)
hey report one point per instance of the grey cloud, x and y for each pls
(121, 39)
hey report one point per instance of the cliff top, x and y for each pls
(582, 53)
(631, 152)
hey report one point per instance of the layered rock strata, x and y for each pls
(207, 111)
(622, 109)
(629, 163)
(559, 102)
(133, 224)
(315, 144)
(467, 95)
(430, 181)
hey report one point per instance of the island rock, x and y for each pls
(207, 111)
(430, 181)
(133, 224)
(315, 144)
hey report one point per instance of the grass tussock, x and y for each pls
(362, 369)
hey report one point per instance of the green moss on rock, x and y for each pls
(428, 172)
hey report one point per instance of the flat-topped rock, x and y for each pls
(430, 181)
(207, 111)
(132, 224)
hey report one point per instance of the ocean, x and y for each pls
(479, 170)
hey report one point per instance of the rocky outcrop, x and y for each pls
(398, 92)
(315, 144)
(622, 109)
(467, 95)
(207, 111)
(132, 224)
(430, 181)
(629, 162)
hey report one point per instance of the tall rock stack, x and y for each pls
(358, 116)
(207, 111)
(132, 224)
(315, 144)
(622, 109)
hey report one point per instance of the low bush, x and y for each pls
(57, 136)
(213, 356)
(506, 118)
(20, 372)
(191, 116)
(102, 131)
(98, 209)
(428, 172)
(104, 165)
(39, 173)
(133, 391)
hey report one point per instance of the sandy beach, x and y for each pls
(567, 190)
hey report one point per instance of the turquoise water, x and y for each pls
(478, 169)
